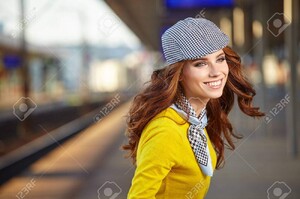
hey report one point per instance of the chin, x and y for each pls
(215, 96)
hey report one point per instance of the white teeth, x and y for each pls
(216, 83)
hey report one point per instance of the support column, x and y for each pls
(291, 44)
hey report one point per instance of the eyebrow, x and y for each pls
(203, 58)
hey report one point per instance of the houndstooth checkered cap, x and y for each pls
(192, 38)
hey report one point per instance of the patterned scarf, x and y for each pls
(196, 134)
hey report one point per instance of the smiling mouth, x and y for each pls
(214, 84)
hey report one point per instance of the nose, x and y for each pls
(214, 71)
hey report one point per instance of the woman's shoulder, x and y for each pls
(167, 117)
(166, 122)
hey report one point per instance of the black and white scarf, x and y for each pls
(196, 134)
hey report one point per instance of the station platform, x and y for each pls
(91, 165)
(67, 170)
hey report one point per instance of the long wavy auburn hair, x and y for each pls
(164, 88)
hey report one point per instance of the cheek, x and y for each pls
(226, 69)
(188, 78)
(193, 74)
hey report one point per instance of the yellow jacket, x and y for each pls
(166, 165)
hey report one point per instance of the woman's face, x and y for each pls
(205, 78)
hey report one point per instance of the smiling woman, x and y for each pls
(205, 78)
(178, 126)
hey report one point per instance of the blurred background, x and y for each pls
(68, 72)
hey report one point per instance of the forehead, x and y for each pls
(209, 56)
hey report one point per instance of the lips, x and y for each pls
(214, 84)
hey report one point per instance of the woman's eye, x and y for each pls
(221, 59)
(199, 64)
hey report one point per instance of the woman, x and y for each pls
(178, 126)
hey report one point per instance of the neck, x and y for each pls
(198, 107)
